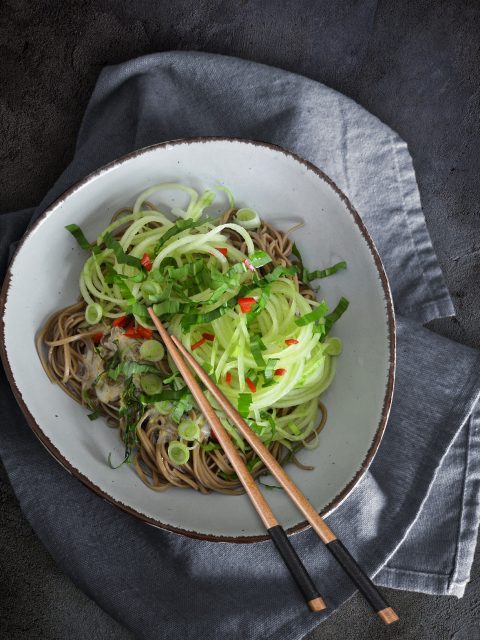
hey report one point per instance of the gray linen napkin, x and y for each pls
(412, 521)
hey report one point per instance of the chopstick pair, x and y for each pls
(314, 600)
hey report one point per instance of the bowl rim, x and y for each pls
(391, 325)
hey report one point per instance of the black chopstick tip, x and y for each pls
(317, 604)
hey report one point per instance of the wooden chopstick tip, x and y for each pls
(388, 615)
(317, 604)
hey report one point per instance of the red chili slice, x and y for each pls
(228, 378)
(209, 336)
(131, 331)
(97, 337)
(250, 385)
(222, 250)
(280, 372)
(146, 262)
(246, 304)
(248, 265)
(291, 341)
(198, 344)
(143, 332)
(119, 322)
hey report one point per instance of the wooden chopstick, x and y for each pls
(275, 530)
(333, 544)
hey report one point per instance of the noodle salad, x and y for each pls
(236, 293)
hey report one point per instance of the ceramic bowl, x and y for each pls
(284, 189)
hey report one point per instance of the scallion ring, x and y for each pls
(189, 430)
(178, 452)
(152, 350)
(247, 218)
(151, 383)
(151, 288)
(93, 313)
(164, 407)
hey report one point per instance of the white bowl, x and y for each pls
(284, 189)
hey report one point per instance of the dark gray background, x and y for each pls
(413, 64)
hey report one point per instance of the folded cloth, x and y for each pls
(412, 520)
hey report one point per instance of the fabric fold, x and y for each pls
(143, 576)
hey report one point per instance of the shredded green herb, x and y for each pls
(79, 236)
(308, 276)
(182, 224)
(270, 368)
(256, 347)
(314, 315)
(297, 253)
(332, 317)
(244, 402)
(120, 255)
(130, 368)
(259, 258)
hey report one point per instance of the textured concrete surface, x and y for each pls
(414, 64)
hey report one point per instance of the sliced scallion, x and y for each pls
(152, 350)
(151, 383)
(189, 430)
(247, 218)
(178, 452)
(333, 346)
(93, 313)
(164, 407)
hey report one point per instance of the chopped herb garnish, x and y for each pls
(168, 394)
(184, 405)
(130, 368)
(279, 272)
(209, 446)
(120, 255)
(332, 317)
(244, 402)
(270, 368)
(180, 225)
(259, 258)
(117, 466)
(256, 347)
(297, 253)
(314, 315)
(308, 276)
(79, 236)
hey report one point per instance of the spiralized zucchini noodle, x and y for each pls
(235, 291)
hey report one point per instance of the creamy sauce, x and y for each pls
(108, 390)
(93, 367)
